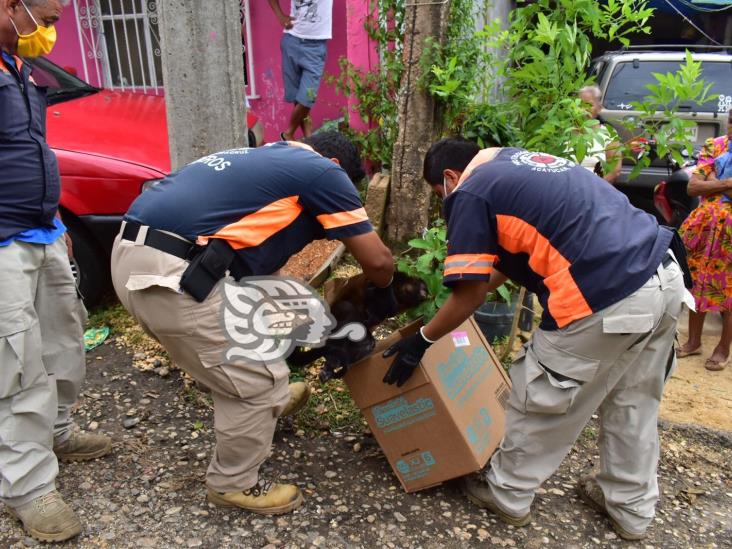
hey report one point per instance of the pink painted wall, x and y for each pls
(349, 39)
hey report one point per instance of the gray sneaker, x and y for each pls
(47, 518)
(477, 491)
(591, 493)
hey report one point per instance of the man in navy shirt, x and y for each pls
(611, 293)
(237, 214)
(42, 319)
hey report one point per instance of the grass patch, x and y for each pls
(330, 407)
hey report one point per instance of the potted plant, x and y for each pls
(494, 317)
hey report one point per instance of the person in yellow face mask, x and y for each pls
(33, 22)
(42, 363)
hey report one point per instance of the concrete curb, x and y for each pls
(323, 273)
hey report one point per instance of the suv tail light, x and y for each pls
(661, 202)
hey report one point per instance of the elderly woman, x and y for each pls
(707, 234)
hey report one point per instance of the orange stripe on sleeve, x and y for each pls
(253, 229)
(566, 302)
(458, 264)
(341, 219)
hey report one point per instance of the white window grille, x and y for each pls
(120, 44)
(129, 31)
(248, 46)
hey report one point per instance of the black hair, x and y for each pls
(333, 144)
(451, 153)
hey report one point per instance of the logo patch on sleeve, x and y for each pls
(542, 162)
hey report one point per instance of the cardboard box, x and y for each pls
(447, 420)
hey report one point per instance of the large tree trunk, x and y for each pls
(410, 195)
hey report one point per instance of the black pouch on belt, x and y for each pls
(207, 268)
(679, 250)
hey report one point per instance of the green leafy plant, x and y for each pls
(452, 72)
(428, 266)
(425, 259)
(656, 119)
(542, 60)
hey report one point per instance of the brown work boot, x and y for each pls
(299, 395)
(82, 447)
(264, 498)
(591, 493)
(47, 518)
(477, 491)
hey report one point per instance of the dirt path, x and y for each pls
(150, 492)
(695, 395)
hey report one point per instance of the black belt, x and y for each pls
(161, 241)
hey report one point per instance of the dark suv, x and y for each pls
(623, 75)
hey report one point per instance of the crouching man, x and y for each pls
(243, 212)
(611, 292)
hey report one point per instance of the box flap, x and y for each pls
(364, 379)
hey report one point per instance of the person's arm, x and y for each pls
(614, 162)
(373, 256)
(704, 180)
(285, 20)
(465, 298)
(468, 271)
(701, 186)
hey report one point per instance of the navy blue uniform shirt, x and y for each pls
(30, 185)
(266, 202)
(553, 227)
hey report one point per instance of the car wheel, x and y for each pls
(88, 266)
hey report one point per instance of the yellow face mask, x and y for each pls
(37, 43)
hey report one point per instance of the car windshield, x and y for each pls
(628, 83)
(61, 85)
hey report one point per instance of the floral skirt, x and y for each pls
(707, 234)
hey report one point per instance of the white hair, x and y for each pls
(592, 91)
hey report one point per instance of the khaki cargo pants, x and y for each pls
(42, 364)
(248, 398)
(616, 360)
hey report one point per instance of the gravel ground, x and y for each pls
(149, 492)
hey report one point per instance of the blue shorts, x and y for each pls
(303, 62)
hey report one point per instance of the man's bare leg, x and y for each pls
(307, 126)
(299, 114)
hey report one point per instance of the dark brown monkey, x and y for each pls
(347, 305)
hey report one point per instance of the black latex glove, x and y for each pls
(409, 351)
(381, 303)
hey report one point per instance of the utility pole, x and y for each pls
(410, 196)
(203, 72)
(486, 12)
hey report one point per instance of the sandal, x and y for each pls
(681, 353)
(716, 365)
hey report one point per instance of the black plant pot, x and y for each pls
(496, 317)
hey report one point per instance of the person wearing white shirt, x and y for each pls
(308, 27)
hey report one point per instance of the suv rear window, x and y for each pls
(628, 84)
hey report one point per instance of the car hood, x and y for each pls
(126, 126)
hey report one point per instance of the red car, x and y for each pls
(110, 145)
